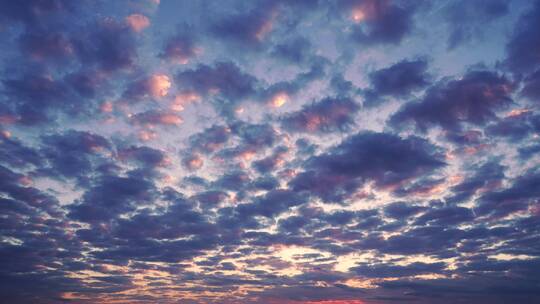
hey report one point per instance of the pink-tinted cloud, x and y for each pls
(137, 22)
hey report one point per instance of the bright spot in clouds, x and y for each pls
(137, 22)
(358, 15)
(279, 100)
(159, 85)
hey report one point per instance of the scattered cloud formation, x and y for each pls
(270, 152)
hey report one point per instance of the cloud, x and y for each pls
(46, 45)
(402, 210)
(152, 118)
(155, 86)
(137, 22)
(272, 203)
(229, 159)
(16, 154)
(24, 93)
(512, 199)
(111, 196)
(224, 78)
(338, 173)
(514, 127)
(296, 50)
(396, 271)
(531, 87)
(146, 156)
(74, 154)
(472, 99)
(398, 80)
(247, 29)
(210, 139)
(386, 22)
(325, 116)
(193, 162)
(107, 45)
(223, 81)
(180, 49)
(523, 46)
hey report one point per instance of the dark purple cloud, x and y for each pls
(398, 80)
(224, 78)
(180, 48)
(386, 22)
(472, 99)
(386, 159)
(522, 48)
(518, 196)
(325, 116)
(111, 196)
(74, 154)
(381, 271)
(109, 45)
(248, 29)
(531, 87)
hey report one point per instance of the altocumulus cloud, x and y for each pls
(297, 152)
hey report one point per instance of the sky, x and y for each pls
(272, 152)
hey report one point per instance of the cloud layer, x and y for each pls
(297, 152)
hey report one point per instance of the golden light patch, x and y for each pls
(517, 112)
(279, 100)
(239, 110)
(159, 85)
(247, 155)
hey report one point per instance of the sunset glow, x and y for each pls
(270, 152)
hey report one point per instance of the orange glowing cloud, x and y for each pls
(368, 9)
(193, 162)
(146, 135)
(137, 22)
(184, 99)
(279, 100)
(313, 123)
(517, 112)
(159, 85)
(107, 107)
(358, 15)
(170, 119)
(239, 110)
(247, 155)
